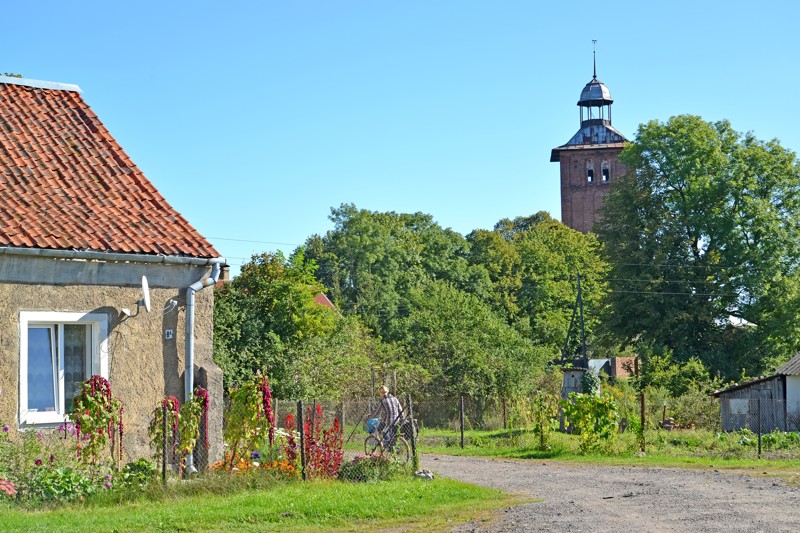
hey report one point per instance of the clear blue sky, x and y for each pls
(255, 118)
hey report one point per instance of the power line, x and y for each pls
(248, 240)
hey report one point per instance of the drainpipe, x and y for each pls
(208, 281)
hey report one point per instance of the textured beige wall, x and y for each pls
(144, 366)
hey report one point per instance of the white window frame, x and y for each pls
(98, 359)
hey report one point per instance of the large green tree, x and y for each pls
(372, 261)
(267, 320)
(533, 263)
(702, 237)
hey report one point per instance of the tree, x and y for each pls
(373, 260)
(533, 263)
(264, 314)
(465, 346)
(705, 228)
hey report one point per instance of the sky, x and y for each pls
(255, 118)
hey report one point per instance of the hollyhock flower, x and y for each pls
(38, 462)
(39, 436)
(52, 458)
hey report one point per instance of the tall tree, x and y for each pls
(533, 263)
(703, 229)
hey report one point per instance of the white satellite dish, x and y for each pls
(145, 301)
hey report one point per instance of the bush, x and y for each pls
(373, 467)
(59, 485)
(136, 475)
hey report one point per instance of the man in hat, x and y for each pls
(390, 413)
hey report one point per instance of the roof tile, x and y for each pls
(66, 183)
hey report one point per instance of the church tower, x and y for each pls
(589, 159)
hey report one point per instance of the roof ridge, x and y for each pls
(40, 84)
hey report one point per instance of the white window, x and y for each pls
(58, 352)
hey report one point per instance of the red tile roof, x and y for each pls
(66, 184)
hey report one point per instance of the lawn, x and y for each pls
(411, 504)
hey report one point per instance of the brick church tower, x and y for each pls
(589, 159)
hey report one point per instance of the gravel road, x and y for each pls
(625, 498)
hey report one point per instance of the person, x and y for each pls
(390, 414)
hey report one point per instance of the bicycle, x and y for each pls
(387, 441)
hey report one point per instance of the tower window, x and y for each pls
(590, 175)
(605, 171)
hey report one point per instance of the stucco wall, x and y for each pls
(144, 366)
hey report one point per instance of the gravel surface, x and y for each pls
(628, 498)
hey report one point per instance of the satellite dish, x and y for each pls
(145, 301)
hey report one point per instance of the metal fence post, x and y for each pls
(301, 427)
(414, 456)
(461, 420)
(164, 441)
(644, 443)
(758, 408)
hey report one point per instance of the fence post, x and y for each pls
(164, 441)
(758, 408)
(301, 427)
(644, 443)
(505, 414)
(461, 420)
(414, 457)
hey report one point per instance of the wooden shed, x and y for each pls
(764, 404)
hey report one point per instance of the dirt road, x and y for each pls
(608, 498)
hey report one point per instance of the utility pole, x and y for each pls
(583, 332)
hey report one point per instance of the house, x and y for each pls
(614, 367)
(98, 273)
(766, 403)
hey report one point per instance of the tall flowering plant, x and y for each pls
(183, 425)
(250, 420)
(167, 412)
(96, 415)
(323, 447)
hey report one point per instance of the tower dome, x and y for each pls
(595, 94)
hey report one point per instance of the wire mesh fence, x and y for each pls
(321, 438)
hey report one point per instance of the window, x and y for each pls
(58, 351)
(605, 171)
(605, 175)
(590, 175)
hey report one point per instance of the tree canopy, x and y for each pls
(703, 244)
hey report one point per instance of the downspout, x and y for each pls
(207, 281)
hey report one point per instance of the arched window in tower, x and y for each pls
(605, 170)
(589, 171)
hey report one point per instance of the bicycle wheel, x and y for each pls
(400, 452)
(371, 444)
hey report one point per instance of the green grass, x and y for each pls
(331, 505)
(685, 448)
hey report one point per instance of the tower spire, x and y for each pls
(594, 54)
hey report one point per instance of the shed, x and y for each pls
(766, 403)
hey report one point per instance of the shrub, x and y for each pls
(136, 475)
(59, 485)
(373, 467)
(594, 418)
(97, 416)
(323, 446)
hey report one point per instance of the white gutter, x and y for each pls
(208, 281)
(109, 256)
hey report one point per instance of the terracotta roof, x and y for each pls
(66, 184)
